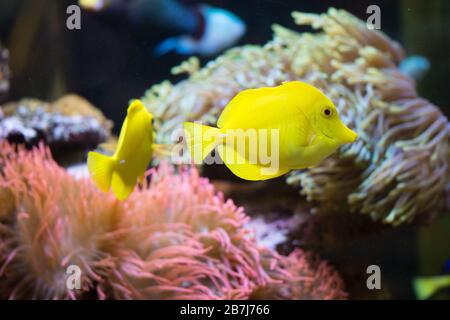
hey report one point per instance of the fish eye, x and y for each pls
(327, 112)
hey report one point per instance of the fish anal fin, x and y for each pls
(122, 186)
(245, 170)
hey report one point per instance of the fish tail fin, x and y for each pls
(425, 287)
(100, 168)
(201, 140)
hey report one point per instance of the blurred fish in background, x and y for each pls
(415, 66)
(428, 287)
(433, 287)
(202, 29)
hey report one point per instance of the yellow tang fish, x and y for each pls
(426, 287)
(266, 132)
(121, 171)
(94, 5)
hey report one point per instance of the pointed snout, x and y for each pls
(347, 135)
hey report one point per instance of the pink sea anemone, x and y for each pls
(186, 242)
(56, 221)
(174, 238)
(301, 276)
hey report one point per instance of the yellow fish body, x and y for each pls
(121, 171)
(306, 123)
(426, 287)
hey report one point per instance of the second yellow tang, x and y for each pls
(297, 124)
(127, 165)
(426, 287)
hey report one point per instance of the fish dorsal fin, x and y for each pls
(281, 107)
(276, 103)
(123, 131)
(138, 118)
(240, 105)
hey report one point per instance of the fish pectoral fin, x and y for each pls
(122, 185)
(141, 180)
(246, 170)
(100, 168)
(162, 150)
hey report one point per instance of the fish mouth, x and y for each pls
(347, 135)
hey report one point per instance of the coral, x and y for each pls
(308, 278)
(70, 122)
(174, 238)
(274, 233)
(399, 167)
(56, 222)
(186, 242)
(4, 73)
(396, 172)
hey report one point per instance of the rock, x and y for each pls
(68, 123)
